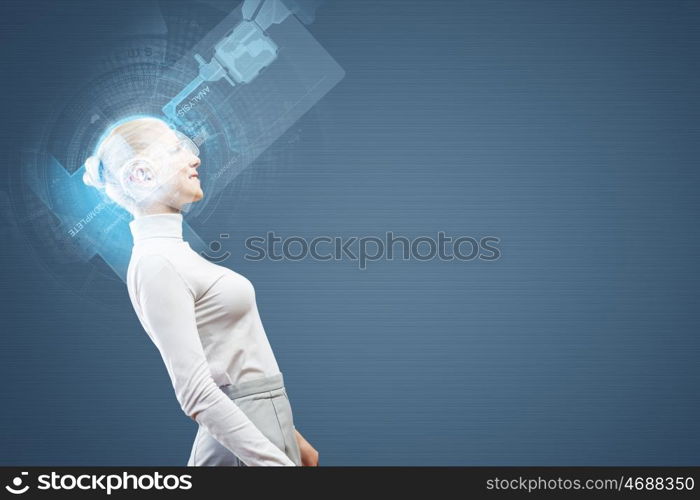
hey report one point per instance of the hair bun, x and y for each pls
(92, 176)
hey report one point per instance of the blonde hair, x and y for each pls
(103, 170)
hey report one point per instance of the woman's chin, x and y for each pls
(194, 196)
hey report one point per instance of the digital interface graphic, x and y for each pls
(242, 85)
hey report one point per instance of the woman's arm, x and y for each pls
(167, 314)
(309, 455)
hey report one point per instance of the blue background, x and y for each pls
(567, 129)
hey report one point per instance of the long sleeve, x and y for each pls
(168, 315)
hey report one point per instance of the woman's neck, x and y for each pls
(156, 209)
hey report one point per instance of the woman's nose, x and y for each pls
(195, 161)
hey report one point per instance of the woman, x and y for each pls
(202, 317)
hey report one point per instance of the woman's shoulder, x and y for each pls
(145, 264)
(194, 270)
(158, 255)
(156, 270)
(146, 259)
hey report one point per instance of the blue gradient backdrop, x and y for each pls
(568, 129)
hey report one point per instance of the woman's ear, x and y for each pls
(140, 172)
(139, 178)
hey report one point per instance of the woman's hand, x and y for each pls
(309, 455)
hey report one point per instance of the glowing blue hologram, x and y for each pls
(279, 72)
(304, 10)
(240, 56)
(208, 72)
(262, 43)
(88, 218)
(245, 52)
(249, 8)
(271, 12)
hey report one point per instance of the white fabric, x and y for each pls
(204, 320)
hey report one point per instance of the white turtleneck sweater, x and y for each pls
(204, 320)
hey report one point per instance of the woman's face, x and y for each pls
(175, 162)
(182, 177)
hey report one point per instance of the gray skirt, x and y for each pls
(265, 402)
